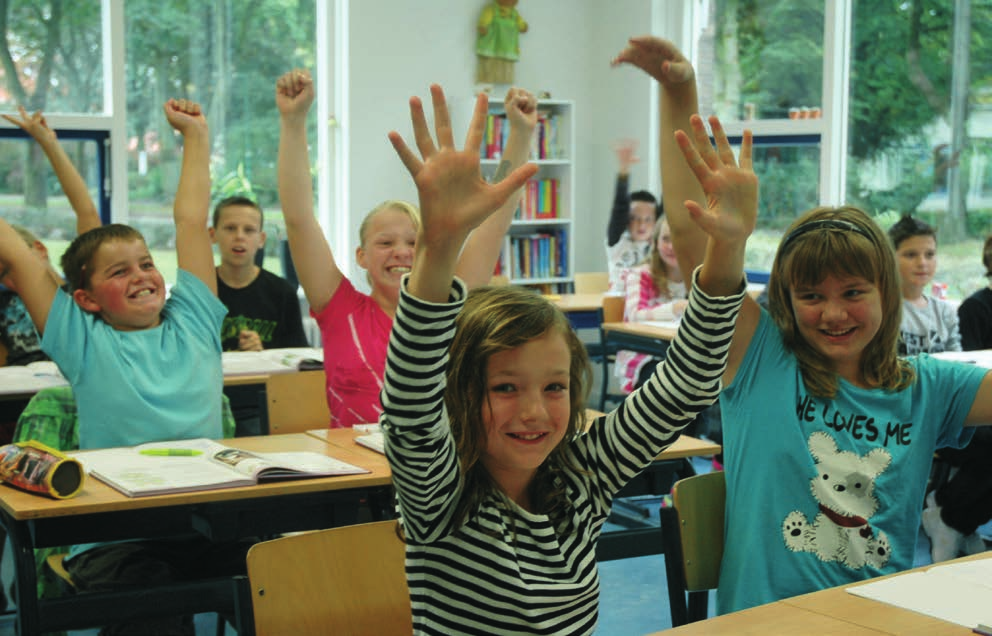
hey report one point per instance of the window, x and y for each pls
(225, 54)
(916, 144)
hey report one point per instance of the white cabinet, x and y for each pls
(538, 250)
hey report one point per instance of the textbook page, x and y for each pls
(957, 592)
(271, 361)
(201, 464)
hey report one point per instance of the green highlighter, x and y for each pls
(171, 452)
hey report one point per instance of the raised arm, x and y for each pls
(28, 274)
(478, 259)
(730, 213)
(316, 268)
(454, 199)
(626, 151)
(678, 101)
(87, 216)
(194, 251)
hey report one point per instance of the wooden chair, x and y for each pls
(692, 560)
(296, 402)
(348, 580)
(591, 282)
(613, 307)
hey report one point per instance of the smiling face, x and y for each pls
(387, 249)
(527, 410)
(666, 250)
(238, 235)
(124, 288)
(642, 218)
(917, 259)
(838, 317)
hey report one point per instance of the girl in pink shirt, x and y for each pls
(355, 326)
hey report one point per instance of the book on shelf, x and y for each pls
(544, 143)
(159, 468)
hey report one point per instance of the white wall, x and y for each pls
(397, 49)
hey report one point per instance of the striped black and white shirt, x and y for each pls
(506, 571)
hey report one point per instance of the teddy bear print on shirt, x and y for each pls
(844, 488)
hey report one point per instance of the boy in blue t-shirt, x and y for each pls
(142, 368)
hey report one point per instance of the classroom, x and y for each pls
(803, 77)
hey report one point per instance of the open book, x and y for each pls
(201, 464)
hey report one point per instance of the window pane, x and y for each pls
(901, 127)
(227, 56)
(761, 59)
(61, 74)
(30, 194)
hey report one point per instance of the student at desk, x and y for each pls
(142, 368)
(354, 326)
(828, 434)
(632, 218)
(501, 498)
(263, 311)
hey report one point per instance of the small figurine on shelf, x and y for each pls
(497, 45)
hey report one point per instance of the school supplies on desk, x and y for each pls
(958, 592)
(272, 361)
(36, 468)
(30, 378)
(201, 464)
(373, 440)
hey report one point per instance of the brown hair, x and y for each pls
(806, 257)
(496, 319)
(78, 258)
(237, 200)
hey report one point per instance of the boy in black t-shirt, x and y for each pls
(263, 309)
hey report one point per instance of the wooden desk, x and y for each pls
(583, 310)
(671, 465)
(830, 611)
(100, 513)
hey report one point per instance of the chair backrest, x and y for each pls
(348, 580)
(591, 282)
(613, 308)
(297, 402)
(699, 502)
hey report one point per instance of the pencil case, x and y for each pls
(36, 468)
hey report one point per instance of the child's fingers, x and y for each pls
(514, 181)
(724, 151)
(746, 145)
(442, 119)
(702, 142)
(409, 159)
(473, 138)
(421, 134)
(696, 162)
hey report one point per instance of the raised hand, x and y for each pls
(454, 199)
(626, 151)
(294, 93)
(658, 58)
(731, 190)
(521, 109)
(185, 115)
(34, 125)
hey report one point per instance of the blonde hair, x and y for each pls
(392, 204)
(496, 319)
(658, 267)
(805, 258)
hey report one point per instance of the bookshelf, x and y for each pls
(537, 250)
